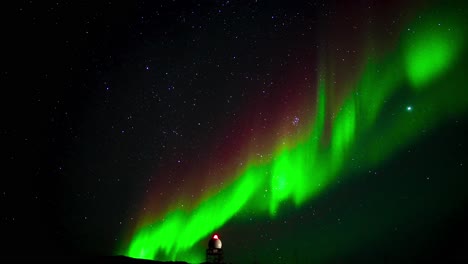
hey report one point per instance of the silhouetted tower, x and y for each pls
(214, 253)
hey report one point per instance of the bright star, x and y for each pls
(409, 108)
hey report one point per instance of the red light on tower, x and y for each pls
(214, 252)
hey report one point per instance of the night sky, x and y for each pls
(299, 132)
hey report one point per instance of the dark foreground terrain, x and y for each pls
(100, 259)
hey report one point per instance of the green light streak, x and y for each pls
(431, 47)
(343, 132)
(180, 230)
(292, 167)
(299, 171)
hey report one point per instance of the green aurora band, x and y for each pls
(425, 68)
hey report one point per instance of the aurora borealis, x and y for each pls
(308, 132)
(300, 170)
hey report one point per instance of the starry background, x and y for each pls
(112, 113)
